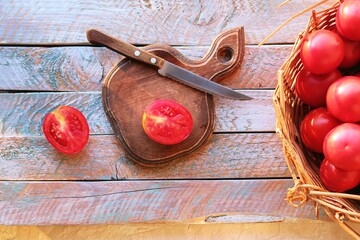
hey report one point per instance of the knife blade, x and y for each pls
(165, 68)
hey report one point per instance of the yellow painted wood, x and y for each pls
(302, 230)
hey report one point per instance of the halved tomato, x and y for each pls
(66, 129)
(167, 122)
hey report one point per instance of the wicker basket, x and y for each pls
(303, 164)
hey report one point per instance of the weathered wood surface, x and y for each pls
(173, 22)
(44, 203)
(46, 61)
(22, 113)
(84, 68)
(226, 156)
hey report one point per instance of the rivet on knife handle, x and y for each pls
(96, 37)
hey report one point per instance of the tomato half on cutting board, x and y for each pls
(167, 122)
(66, 129)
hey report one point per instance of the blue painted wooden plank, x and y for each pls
(39, 203)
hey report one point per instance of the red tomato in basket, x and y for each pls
(322, 51)
(66, 129)
(343, 99)
(342, 146)
(315, 126)
(167, 122)
(348, 19)
(352, 53)
(312, 88)
(336, 179)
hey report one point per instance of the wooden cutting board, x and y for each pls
(131, 85)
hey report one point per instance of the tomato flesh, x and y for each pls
(66, 129)
(167, 122)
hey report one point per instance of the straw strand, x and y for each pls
(290, 19)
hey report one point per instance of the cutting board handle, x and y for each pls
(225, 54)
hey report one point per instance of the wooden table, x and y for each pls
(46, 61)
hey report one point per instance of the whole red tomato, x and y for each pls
(348, 19)
(342, 146)
(312, 88)
(66, 129)
(352, 53)
(322, 51)
(167, 122)
(343, 99)
(315, 126)
(336, 179)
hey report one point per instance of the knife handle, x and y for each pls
(96, 37)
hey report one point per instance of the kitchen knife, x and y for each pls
(165, 68)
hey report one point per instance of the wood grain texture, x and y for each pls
(144, 201)
(22, 113)
(173, 22)
(58, 69)
(301, 230)
(84, 68)
(225, 156)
